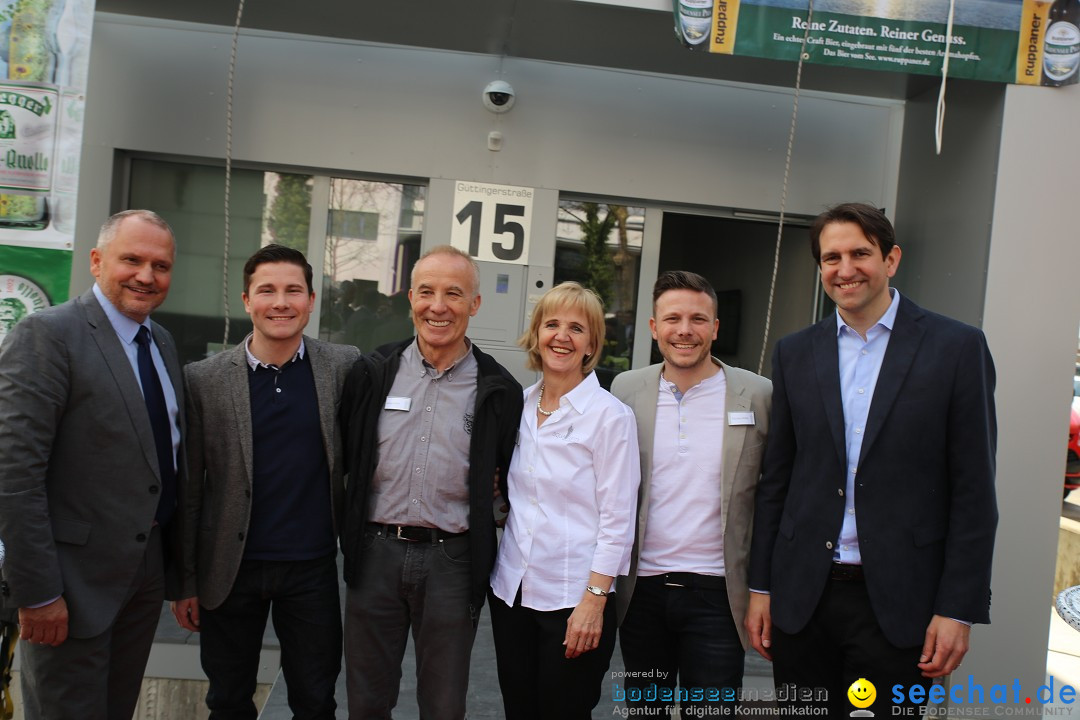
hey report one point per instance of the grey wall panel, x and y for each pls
(1031, 315)
(411, 112)
(945, 202)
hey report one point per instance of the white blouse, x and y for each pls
(573, 487)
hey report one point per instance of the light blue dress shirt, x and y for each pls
(860, 365)
(126, 329)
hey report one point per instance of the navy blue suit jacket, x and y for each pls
(924, 498)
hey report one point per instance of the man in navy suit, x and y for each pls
(875, 515)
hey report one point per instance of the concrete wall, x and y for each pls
(416, 113)
(1030, 318)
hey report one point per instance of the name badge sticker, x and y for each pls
(398, 403)
(741, 418)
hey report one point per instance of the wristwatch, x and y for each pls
(596, 591)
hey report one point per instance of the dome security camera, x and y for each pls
(498, 96)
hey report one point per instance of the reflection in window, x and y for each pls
(372, 240)
(264, 207)
(599, 246)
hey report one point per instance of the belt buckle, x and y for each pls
(402, 537)
(668, 583)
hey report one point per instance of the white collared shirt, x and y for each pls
(573, 487)
(685, 485)
(255, 363)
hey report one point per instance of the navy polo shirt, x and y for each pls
(291, 516)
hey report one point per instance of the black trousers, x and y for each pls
(537, 681)
(841, 644)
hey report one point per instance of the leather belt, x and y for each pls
(410, 533)
(692, 580)
(844, 571)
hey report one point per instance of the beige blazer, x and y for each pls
(744, 446)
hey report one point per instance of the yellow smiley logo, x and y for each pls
(862, 693)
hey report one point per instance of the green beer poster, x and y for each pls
(1032, 42)
(44, 55)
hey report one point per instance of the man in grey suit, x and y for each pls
(701, 430)
(262, 510)
(90, 393)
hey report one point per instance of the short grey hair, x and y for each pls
(112, 225)
(453, 252)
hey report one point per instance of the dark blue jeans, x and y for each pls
(303, 596)
(419, 585)
(680, 636)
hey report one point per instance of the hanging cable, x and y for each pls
(228, 168)
(939, 121)
(803, 55)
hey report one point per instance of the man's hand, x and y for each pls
(945, 646)
(505, 507)
(758, 624)
(46, 625)
(186, 613)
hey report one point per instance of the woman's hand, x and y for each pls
(585, 625)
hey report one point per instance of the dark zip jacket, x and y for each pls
(497, 414)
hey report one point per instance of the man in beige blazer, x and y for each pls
(701, 429)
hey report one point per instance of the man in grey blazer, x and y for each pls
(261, 513)
(701, 430)
(90, 425)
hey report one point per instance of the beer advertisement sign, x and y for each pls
(1030, 42)
(44, 56)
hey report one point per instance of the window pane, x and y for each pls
(599, 246)
(372, 240)
(264, 207)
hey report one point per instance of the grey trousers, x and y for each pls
(99, 678)
(419, 585)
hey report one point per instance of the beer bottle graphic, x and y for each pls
(29, 96)
(695, 20)
(1061, 45)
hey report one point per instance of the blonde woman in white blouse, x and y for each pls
(573, 494)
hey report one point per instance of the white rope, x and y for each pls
(939, 122)
(228, 168)
(803, 55)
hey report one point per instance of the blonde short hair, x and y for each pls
(567, 295)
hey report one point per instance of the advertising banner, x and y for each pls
(44, 56)
(1029, 42)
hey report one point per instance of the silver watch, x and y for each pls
(596, 591)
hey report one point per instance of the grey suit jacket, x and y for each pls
(78, 469)
(744, 446)
(216, 504)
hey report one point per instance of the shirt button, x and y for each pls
(682, 436)
(141, 537)
(423, 439)
(682, 451)
(153, 489)
(851, 511)
(858, 431)
(414, 501)
(428, 408)
(863, 352)
(239, 536)
(532, 500)
(417, 471)
(828, 545)
(844, 547)
(862, 390)
(277, 389)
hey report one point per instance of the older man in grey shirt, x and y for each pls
(427, 424)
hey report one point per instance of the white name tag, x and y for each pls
(399, 403)
(740, 418)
